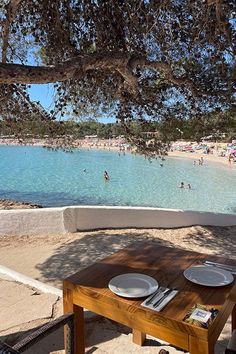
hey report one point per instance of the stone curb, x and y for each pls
(24, 279)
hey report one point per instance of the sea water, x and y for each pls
(57, 178)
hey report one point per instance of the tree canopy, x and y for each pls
(141, 60)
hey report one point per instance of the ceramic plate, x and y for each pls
(208, 276)
(133, 285)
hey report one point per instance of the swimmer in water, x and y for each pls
(106, 175)
(189, 186)
(181, 185)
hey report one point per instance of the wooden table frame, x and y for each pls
(89, 289)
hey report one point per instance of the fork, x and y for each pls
(149, 301)
(165, 294)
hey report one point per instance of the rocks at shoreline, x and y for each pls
(7, 204)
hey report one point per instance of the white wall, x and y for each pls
(90, 217)
(71, 219)
(31, 221)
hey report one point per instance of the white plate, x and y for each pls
(133, 285)
(208, 276)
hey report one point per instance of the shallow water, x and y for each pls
(50, 178)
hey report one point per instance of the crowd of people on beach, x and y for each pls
(221, 152)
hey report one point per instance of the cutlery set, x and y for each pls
(160, 298)
(158, 292)
(164, 296)
(227, 267)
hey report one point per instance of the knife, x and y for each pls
(149, 301)
(220, 265)
(164, 295)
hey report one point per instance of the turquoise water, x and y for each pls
(36, 175)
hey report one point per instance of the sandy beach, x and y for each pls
(50, 258)
(206, 158)
(120, 145)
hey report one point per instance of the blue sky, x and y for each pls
(44, 94)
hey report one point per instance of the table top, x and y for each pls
(166, 265)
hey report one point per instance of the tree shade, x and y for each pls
(141, 60)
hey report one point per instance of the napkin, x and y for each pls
(163, 303)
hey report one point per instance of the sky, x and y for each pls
(44, 94)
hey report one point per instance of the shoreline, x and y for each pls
(119, 145)
(8, 204)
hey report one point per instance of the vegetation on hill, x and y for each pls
(171, 129)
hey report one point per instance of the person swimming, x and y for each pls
(189, 186)
(181, 185)
(106, 175)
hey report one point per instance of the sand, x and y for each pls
(206, 158)
(50, 258)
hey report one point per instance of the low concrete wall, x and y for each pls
(32, 221)
(71, 219)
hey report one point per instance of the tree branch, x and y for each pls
(166, 69)
(11, 12)
(78, 66)
(71, 69)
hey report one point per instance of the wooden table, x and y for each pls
(89, 289)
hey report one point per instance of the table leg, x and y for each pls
(138, 337)
(199, 346)
(234, 318)
(69, 306)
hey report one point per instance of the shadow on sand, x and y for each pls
(71, 257)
